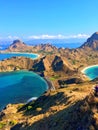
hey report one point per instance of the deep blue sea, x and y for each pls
(9, 55)
(91, 72)
(19, 86)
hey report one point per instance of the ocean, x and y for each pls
(19, 86)
(9, 55)
(91, 72)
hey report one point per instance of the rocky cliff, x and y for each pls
(91, 43)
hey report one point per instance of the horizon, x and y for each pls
(47, 19)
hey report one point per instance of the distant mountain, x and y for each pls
(18, 46)
(91, 43)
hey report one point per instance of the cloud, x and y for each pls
(9, 38)
(46, 36)
(12, 37)
(59, 36)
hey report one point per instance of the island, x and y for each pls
(69, 103)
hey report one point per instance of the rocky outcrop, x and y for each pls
(57, 64)
(91, 43)
(70, 81)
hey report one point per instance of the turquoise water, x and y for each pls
(92, 72)
(19, 86)
(9, 55)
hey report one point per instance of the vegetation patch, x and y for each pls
(54, 77)
(2, 125)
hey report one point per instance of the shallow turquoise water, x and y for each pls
(92, 72)
(9, 55)
(19, 86)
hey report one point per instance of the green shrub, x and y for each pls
(2, 125)
(29, 107)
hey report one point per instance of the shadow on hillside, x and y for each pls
(76, 117)
(43, 103)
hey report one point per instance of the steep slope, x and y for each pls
(91, 43)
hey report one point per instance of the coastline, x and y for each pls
(83, 70)
(22, 53)
(50, 84)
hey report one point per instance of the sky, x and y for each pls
(48, 19)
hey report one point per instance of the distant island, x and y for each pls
(64, 107)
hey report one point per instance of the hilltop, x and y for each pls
(91, 43)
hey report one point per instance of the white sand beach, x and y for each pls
(87, 68)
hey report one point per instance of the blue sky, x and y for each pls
(34, 19)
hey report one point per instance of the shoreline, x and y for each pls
(83, 70)
(22, 53)
(49, 84)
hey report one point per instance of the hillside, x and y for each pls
(68, 108)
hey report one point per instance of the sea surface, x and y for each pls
(19, 86)
(9, 55)
(91, 72)
(57, 44)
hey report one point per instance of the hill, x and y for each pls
(91, 43)
(18, 46)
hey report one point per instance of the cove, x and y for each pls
(91, 72)
(9, 55)
(19, 86)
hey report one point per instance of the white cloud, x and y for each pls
(59, 36)
(46, 36)
(12, 37)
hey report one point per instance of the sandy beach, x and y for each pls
(87, 68)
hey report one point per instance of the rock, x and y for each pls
(70, 81)
(57, 64)
(91, 43)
